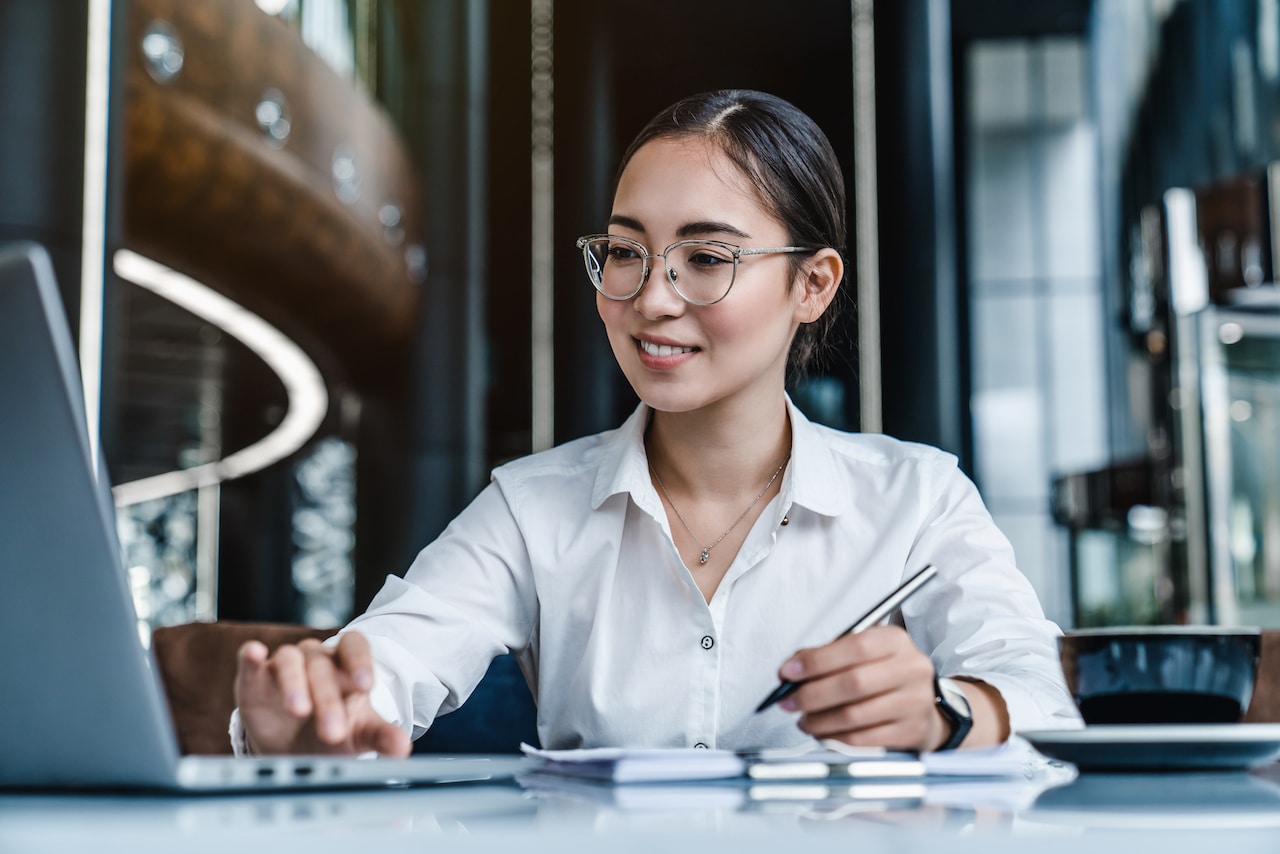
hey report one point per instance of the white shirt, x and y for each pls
(566, 558)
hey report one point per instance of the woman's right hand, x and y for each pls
(311, 698)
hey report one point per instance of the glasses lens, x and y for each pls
(616, 267)
(701, 272)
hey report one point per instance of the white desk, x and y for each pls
(1098, 814)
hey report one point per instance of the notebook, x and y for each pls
(83, 706)
(638, 764)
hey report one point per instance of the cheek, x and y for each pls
(612, 316)
(750, 324)
(608, 311)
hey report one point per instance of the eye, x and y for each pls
(622, 252)
(708, 257)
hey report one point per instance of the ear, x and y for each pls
(820, 278)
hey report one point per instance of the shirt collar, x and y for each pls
(811, 479)
(624, 464)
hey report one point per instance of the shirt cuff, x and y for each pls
(1027, 709)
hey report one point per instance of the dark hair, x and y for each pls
(790, 161)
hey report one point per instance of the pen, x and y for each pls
(886, 607)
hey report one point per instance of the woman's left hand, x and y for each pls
(873, 688)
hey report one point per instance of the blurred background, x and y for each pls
(319, 256)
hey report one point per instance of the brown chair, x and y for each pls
(197, 663)
(1265, 706)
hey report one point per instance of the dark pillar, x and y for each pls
(923, 312)
(447, 82)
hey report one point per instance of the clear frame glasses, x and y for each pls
(700, 271)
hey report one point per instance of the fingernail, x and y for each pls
(788, 704)
(793, 669)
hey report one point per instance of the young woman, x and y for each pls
(656, 581)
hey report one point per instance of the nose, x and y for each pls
(659, 301)
(672, 275)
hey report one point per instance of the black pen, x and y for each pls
(886, 607)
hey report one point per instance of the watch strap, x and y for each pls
(960, 720)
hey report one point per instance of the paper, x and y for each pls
(1014, 758)
(827, 760)
(635, 765)
(832, 760)
(639, 796)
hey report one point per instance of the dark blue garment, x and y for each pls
(497, 716)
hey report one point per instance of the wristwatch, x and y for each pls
(954, 706)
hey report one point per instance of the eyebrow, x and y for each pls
(689, 229)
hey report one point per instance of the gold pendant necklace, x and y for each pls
(706, 550)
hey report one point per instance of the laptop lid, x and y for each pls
(83, 704)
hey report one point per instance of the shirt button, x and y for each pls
(700, 746)
(707, 642)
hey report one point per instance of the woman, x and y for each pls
(652, 579)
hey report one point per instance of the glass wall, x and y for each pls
(1035, 291)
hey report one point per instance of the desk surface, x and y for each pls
(1169, 813)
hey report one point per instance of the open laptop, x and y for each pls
(83, 706)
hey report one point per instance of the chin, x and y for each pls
(670, 399)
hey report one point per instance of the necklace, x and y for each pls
(706, 550)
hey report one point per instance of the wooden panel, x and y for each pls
(208, 194)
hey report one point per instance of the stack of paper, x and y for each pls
(834, 760)
(636, 765)
(828, 760)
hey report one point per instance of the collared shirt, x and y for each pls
(566, 558)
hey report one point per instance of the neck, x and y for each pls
(717, 452)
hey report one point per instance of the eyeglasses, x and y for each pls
(700, 271)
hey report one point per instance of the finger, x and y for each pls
(289, 667)
(355, 660)
(852, 685)
(892, 736)
(387, 739)
(904, 716)
(330, 712)
(250, 658)
(875, 643)
(850, 717)
(911, 672)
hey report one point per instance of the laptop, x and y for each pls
(83, 705)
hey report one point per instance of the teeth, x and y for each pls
(661, 350)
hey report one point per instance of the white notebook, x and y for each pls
(639, 765)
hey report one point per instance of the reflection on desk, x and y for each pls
(1175, 813)
(1162, 801)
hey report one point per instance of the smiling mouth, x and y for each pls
(664, 350)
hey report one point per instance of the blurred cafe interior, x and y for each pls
(318, 255)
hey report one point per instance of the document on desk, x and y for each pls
(814, 761)
(639, 764)
(835, 760)
(832, 761)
